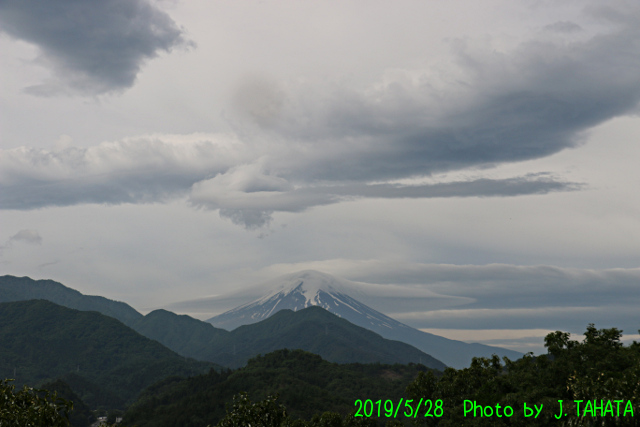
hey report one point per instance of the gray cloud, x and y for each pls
(159, 168)
(139, 170)
(497, 107)
(254, 209)
(47, 264)
(299, 145)
(91, 47)
(509, 296)
(498, 285)
(476, 188)
(494, 296)
(391, 297)
(471, 297)
(572, 319)
(248, 218)
(27, 236)
(564, 27)
(500, 107)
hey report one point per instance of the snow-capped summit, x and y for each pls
(303, 289)
(311, 288)
(308, 283)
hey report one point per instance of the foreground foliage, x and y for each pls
(81, 416)
(270, 413)
(32, 408)
(597, 370)
(306, 384)
(583, 375)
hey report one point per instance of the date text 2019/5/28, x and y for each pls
(407, 408)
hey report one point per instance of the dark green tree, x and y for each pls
(243, 412)
(598, 369)
(270, 413)
(32, 408)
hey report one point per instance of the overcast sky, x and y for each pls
(487, 152)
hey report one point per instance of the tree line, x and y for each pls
(593, 382)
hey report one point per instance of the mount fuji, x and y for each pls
(308, 288)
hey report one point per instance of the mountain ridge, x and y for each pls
(108, 362)
(319, 331)
(330, 293)
(181, 333)
(200, 340)
(13, 288)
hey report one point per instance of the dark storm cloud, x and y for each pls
(92, 47)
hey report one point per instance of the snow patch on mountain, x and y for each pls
(303, 289)
(300, 290)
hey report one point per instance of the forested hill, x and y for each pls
(306, 383)
(592, 383)
(24, 288)
(105, 362)
(316, 330)
(183, 334)
(312, 329)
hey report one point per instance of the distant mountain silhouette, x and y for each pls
(24, 288)
(333, 338)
